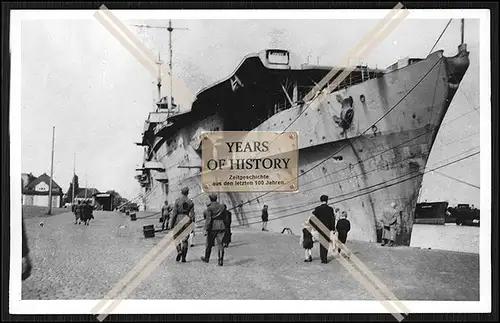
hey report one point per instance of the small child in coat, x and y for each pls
(343, 227)
(306, 240)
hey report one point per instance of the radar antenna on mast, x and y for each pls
(170, 30)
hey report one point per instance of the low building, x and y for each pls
(35, 190)
(86, 193)
(104, 201)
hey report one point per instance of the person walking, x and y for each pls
(165, 215)
(76, 211)
(73, 209)
(79, 212)
(343, 227)
(215, 228)
(183, 207)
(306, 240)
(86, 212)
(326, 215)
(265, 218)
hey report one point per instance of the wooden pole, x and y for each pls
(51, 171)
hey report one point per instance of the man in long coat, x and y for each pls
(215, 228)
(389, 225)
(183, 207)
(326, 215)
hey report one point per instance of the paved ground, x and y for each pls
(446, 237)
(79, 262)
(31, 211)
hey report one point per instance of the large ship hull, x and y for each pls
(378, 158)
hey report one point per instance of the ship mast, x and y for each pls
(170, 30)
(462, 20)
(171, 101)
(159, 63)
(463, 46)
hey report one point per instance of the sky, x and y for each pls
(78, 78)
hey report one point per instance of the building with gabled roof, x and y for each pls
(35, 190)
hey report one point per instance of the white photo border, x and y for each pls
(19, 306)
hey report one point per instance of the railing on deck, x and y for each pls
(363, 74)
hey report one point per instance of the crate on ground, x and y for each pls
(149, 231)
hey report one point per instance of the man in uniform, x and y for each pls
(183, 207)
(165, 215)
(215, 228)
(326, 215)
(389, 225)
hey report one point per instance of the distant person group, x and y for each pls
(84, 212)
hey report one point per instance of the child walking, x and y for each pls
(343, 227)
(306, 240)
